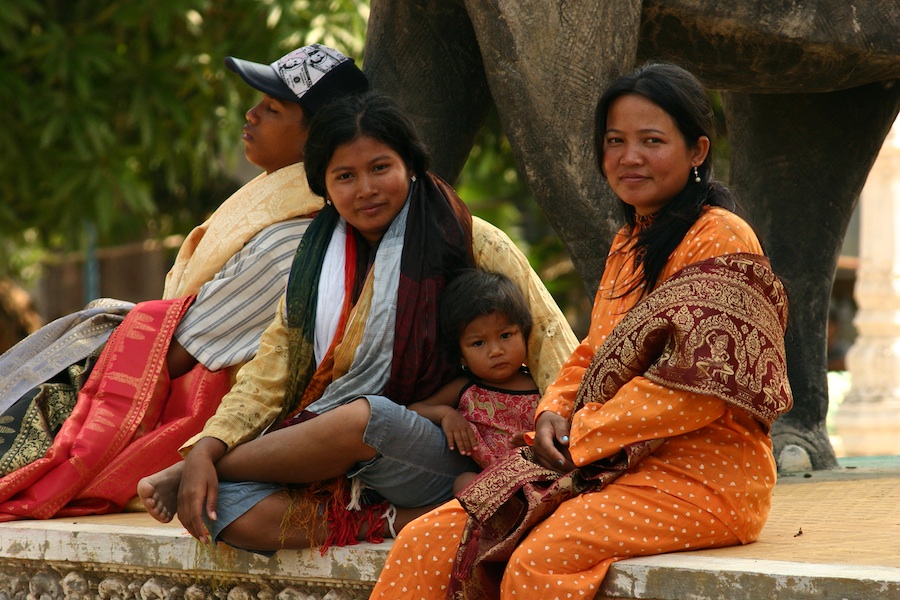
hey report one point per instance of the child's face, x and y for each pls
(492, 348)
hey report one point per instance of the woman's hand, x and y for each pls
(199, 490)
(460, 436)
(551, 442)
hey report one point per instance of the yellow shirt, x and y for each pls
(257, 396)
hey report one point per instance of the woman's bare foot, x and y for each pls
(159, 492)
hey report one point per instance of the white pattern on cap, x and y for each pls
(302, 68)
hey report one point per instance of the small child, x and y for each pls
(485, 412)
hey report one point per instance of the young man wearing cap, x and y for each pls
(220, 294)
(295, 87)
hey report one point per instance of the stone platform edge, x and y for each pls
(129, 556)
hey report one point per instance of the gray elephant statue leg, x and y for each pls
(425, 55)
(548, 64)
(799, 162)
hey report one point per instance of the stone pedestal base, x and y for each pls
(868, 420)
(870, 428)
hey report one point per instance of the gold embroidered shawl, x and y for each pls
(714, 328)
(266, 200)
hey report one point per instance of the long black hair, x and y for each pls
(373, 115)
(683, 97)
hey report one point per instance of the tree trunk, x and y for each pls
(547, 64)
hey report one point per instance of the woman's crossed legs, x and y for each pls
(389, 448)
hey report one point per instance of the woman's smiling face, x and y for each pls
(645, 157)
(368, 182)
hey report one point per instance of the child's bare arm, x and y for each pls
(436, 407)
(440, 409)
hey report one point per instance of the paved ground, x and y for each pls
(849, 516)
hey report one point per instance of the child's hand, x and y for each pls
(460, 436)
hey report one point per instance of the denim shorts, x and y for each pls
(412, 467)
(235, 499)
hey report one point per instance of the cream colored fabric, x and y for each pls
(224, 323)
(267, 199)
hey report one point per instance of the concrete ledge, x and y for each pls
(686, 576)
(131, 556)
(830, 535)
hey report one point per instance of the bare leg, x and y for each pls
(261, 528)
(462, 480)
(159, 492)
(324, 447)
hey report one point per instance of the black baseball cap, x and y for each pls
(311, 76)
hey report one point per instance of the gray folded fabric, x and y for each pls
(57, 345)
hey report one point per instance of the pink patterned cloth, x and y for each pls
(496, 416)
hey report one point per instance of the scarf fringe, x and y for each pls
(332, 505)
(465, 561)
(345, 524)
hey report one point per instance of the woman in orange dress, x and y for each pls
(675, 385)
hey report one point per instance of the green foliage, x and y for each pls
(121, 114)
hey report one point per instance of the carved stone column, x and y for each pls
(868, 419)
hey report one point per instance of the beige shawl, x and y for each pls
(264, 201)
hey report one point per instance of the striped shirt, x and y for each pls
(223, 326)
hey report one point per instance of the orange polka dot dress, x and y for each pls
(709, 485)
